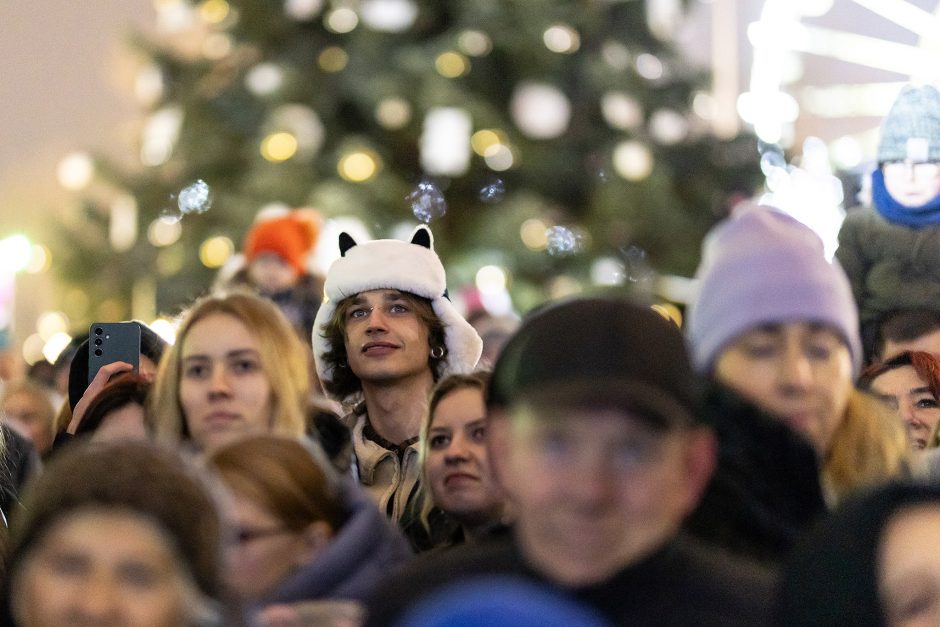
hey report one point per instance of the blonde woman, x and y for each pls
(237, 369)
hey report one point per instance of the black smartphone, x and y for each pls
(109, 342)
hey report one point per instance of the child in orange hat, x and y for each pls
(276, 252)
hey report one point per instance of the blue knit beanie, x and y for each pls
(911, 130)
(761, 266)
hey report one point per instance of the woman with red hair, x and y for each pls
(910, 384)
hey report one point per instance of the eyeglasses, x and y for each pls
(244, 535)
(916, 171)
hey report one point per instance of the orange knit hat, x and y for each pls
(291, 237)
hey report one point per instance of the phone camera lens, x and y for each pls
(98, 330)
(97, 352)
(97, 341)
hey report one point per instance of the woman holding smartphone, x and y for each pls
(237, 369)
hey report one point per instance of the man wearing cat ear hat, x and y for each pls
(384, 335)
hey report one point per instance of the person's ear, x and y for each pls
(701, 455)
(316, 537)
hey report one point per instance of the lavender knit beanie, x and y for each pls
(762, 266)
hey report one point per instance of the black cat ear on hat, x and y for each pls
(422, 237)
(345, 243)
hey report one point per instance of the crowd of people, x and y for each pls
(335, 452)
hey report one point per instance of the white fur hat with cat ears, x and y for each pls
(411, 267)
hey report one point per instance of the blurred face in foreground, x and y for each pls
(909, 572)
(799, 371)
(595, 489)
(101, 567)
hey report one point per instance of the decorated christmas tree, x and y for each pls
(563, 142)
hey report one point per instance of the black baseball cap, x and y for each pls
(603, 353)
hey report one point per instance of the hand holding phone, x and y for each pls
(109, 342)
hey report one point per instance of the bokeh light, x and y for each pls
(302, 10)
(491, 279)
(393, 113)
(452, 64)
(649, 67)
(75, 171)
(278, 147)
(215, 251)
(561, 38)
(171, 260)
(54, 346)
(51, 322)
(534, 234)
(40, 259)
(487, 141)
(541, 111)
(621, 111)
(633, 160)
(474, 43)
(358, 166)
(16, 252)
(341, 20)
(163, 232)
(333, 59)
(264, 79)
(500, 158)
(32, 349)
(165, 329)
(214, 11)
(389, 16)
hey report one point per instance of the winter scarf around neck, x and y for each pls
(893, 211)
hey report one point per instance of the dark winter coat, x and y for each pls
(890, 267)
(680, 584)
(766, 488)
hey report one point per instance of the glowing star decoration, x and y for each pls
(493, 191)
(809, 193)
(445, 141)
(563, 241)
(195, 198)
(427, 201)
(389, 16)
(302, 10)
(539, 110)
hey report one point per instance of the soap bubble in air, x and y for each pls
(195, 198)
(427, 201)
(562, 241)
(636, 264)
(493, 191)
